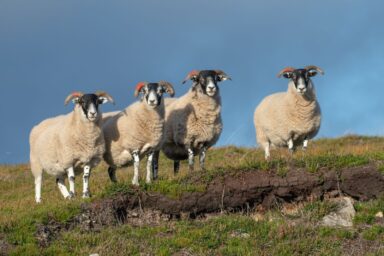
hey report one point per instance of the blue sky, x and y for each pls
(51, 48)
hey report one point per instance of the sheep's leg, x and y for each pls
(87, 173)
(290, 146)
(62, 187)
(191, 160)
(38, 180)
(136, 165)
(202, 158)
(149, 167)
(71, 179)
(155, 164)
(176, 167)
(267, 153)
(305, 144)
(112, 173)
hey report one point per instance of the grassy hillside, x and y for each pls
(254, 232)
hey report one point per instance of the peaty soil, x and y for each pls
(241, 191)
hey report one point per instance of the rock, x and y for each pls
(240, 234)
(344, 214)
(94, 254)
(379, 215)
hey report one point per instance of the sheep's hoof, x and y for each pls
(38, 201)
(148, 181)
(112, 175)
(135, 183)
(86, 194)
(304, 148)
(71, 195)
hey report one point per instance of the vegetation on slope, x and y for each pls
(276, 233)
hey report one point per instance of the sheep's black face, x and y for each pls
(153, 93)
(208, 80)
(90, 105)
(300, 78)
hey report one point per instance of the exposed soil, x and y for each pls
(360, 246)
(240, 192)
(5, 247)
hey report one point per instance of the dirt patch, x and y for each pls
(46, 233)
(243, 191)
(360, 246)
(5, 247)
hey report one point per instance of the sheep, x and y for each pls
(137, 131)
(288, 119)
(193, 122)
(61, 144)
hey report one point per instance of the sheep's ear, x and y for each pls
(104, 97)
(286, 72)
(222, 76)
(313, 70)
(312, 73)
(168, 88)
(191, 76)
(74, 97)
(139, 88)
(287, 75)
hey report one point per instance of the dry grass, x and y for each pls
(222, 235)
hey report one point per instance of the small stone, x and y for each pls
(344, 214)
(240, 234)
(379, 215)
(94, 254)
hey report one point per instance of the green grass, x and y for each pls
(226, 234)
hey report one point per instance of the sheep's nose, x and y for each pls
(92, 113)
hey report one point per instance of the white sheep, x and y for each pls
(137, 131)
(289, 118)
(193, 122)
(61, 144)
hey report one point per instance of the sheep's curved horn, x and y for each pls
(223, 76)
(106, 95)
(168, 87)
(71, 96)
(193, 73)
(138, 87)
(312, 67)
(287, 69)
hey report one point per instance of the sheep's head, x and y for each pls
(207, 80)
(89, 103)
(300, 77)
(152, 93)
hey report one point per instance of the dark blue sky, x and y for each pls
(50, 48)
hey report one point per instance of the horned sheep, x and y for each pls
(291, 118)
(137, 131)
(193, 122)
(62, 144)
